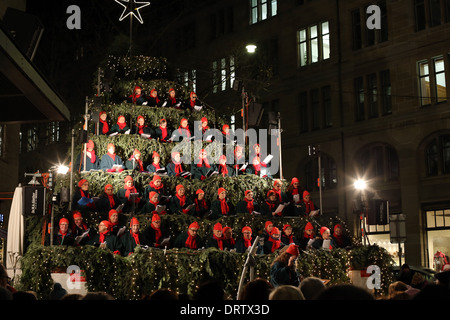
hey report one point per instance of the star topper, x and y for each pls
(132, 7)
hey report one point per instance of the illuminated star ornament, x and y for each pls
(132, 7)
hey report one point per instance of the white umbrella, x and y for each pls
(14, 247)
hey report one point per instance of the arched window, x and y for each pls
(437, 156)
(378, 162)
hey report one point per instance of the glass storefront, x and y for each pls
(438, 237)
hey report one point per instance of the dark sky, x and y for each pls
(69, 58)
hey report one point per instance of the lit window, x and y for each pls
(313, 44)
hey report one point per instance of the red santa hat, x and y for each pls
(156, 217)
(246, 228)
(221, 190)
(218, 227)
(134, 221)
(81, 182)
(293, 250)
(194, 225)
(63, 220)
(178, 187)
(323, 229)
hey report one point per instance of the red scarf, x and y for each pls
(199, 203)
(112, 203)
(190, 242)
(219, 241)
(250, 206)
(178, 167)
(275, 243)
(158, 234)
(141, 165)
(135, 237)
(173, 101)
(247, 242)
(164, 133)
(102, 236)
(112, 156)
(105, 128)
(278, 193)
(309, 206)
(83, 195)
(155, 187)
(257, 169)
(92, 156)
(141, 129)
(121, 125)
(192, 103)
(180, 128)
(156, 165)
(203, 161)
(129, 190)
(182, 200)
(224, 206)
(272, 207)
(223, 169)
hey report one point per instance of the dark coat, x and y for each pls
(107, 162)
(280, 274)
(129, 243)
(217, 209)
(180, 241)
(175, 206)
(112, 242)
(241, 207)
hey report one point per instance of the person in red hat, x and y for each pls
(136, 97)
(248, 205)
(154, 234)
(135, 162)
(116, 225)
(270, 205)
(129, 196)
(172, 100)
(244, 243)
(180, 203)
(268, 227)
(294, 195)
(283, 270)
(103, 126)
(307, 205)
(201, 167)
(228, 239)
(121, 126)
(239, 161)
(63, 236)
(224, 169)
(287, 236)
(176, 167)
(156, 163)
(111, 159)
(153, 100)
(163, 132)
(308, 236)
(92, 161)
(192, 104)
(204, 125)
(216, 240)
(273, 242)
(341, 240)
(183, 132)
(108, 200)
(157, 185)
(254, 167)
(133, 238)
(105, 239)
(202, 205)
(152, 205)
(221, 206)
(325, 235)
(140, 127)
(79, 228)
(81, 200)
(190, 238)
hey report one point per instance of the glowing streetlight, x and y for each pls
(62, 169)
(360, 184)
(251, 48)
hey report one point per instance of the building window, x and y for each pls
(378, 162)
(328, 175)
(432, 84)
(188, 79)
(437, 228)
(362, 34)
(224, 74)
(437, 155)
(313, 44)
(315, 109)
(53, 132)
(262, 9)
(369, 99)
(429, 13)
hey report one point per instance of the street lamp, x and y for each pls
(361, 185)
(251, 48)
